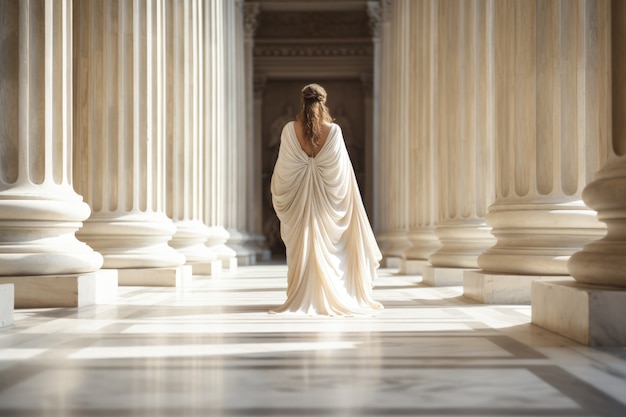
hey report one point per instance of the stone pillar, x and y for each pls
(236, 136)
(394, 132)
(544, 67)
(591, 309)
(39, 209)
(254, 147)
(119, 131)
(422, 178)
(371, 85)
(381, 189)
(215, 139)
(184, 135)
(465, 139)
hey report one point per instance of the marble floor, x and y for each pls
(211, 349)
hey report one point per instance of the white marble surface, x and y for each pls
(211, 348)
(6, 304)
(585, 313)
(494, 288)
(67, 290)
(441, 277)
(179, 276)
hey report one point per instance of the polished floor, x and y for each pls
(211, 349)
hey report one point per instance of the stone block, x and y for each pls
(213, 268)
(490, 288)
(391, 262)
(589, 314)
(413, 266)
(436, 276)
(7, 295)
(230, 264)
(246, 260)
(70, 290)
(179, 276)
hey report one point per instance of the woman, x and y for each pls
(332, 255)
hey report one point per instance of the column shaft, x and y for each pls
(39, 209)
(465, 135)
(595, 304)
(603, 262)
(394, 238)
(184, 136)
(119, 131)
(422, 178)
(544, 62)
(215, 139)
(236, 151)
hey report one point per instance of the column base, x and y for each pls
(265, 255)
(7, 297)
(391, 262)
(179, 276)
(589, 314)
(489, 288)
(437, 276)
(71, 290)
(213, 268)
(413, 266)
(230, 264)
(246, 260)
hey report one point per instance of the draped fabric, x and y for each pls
(332, 255)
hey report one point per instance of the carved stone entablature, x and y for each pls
(250, 21)
(299, 25)
(307, 50)
(375, 14)
(259, 82)
(385, 6)
(367, 81)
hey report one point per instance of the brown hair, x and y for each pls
(313, 112)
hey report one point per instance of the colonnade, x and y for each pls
(512, 108)
(123, 127)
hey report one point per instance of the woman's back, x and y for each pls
(332, 254)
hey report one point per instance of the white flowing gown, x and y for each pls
(332, 255)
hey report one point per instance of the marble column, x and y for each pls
(548, 132)
(119, 132)
(215, 140)
(394, 131)
(184, 135)
(254, 147)
(381, 215)
(421, 175)
(465, 139)
(372, 155)
(40, 211)
(591, 309)
(235, 129)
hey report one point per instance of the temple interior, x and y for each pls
(140, 253)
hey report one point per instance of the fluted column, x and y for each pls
(254, 140)
(372, 90)
(544, 65)
(465, 140)
(39, 209)
(394, 132)
(381, 223)
(215, 139)
(119, 129)
(235, 129)
(184, 134)
(422, 178)
(591, 309)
